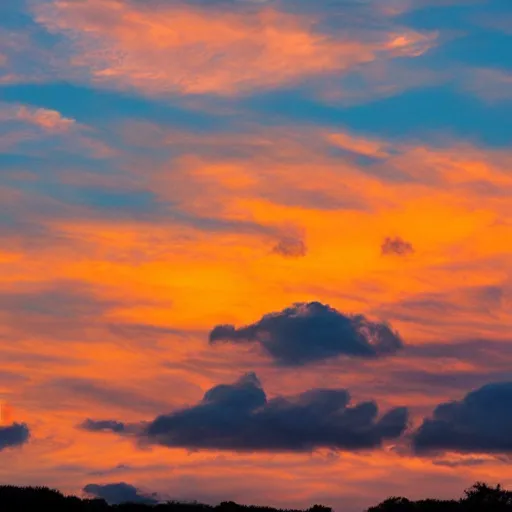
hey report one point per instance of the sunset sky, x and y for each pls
(256, 250)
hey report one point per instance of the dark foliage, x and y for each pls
(480, 497)
(28, 499)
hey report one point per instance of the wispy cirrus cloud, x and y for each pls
(26, 128)
(183, 47)
(492, 85)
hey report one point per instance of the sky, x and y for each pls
(256, 250)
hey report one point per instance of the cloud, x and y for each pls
(360, 145)
(240, 417)
(16, 434)
(102, 426)
(63, 299)
(220, 49)
(117, 493)
(481, 423)
(468, 462)
(28, 128)
(396, 246)
(69, 391)
(25, 127)
(46, 119)
(127, 468)
(492, 85)
(291, 247)
(306, 333)
(60, 309)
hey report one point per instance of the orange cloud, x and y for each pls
(361, 145)
(180, 48)
(37, 123)
(46, 119)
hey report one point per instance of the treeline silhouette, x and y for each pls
(480, 497)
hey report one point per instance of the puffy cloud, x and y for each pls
(396, 246)
(16, 434)
(291, 247)
(240, 417)
(309, 332)
(117, 493)
(481, 422)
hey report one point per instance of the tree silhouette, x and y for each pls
(480, 497)
(483, 497)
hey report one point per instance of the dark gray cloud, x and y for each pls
(117, 493)
(291, 247)
(16, 434)
(305, 333)
(481, 423)
(240, 417)
(396, 246)
(102, 426)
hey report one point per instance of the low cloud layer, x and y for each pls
(117, 493)
(16, 434)
(240, 417)
(306, 333)
(481, 422)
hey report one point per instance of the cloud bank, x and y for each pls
(240, 417)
